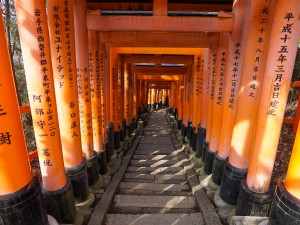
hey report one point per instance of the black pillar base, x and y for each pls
(124, 128)
(194, 141)
(102, 161)
(128, 128)
(189, 125)
(192, 129)
(209, 160)
(179, 124)
(122, 135)
(231, 182)
(110, 134)
(26, 206)
(93, 169)
(251, 203)
(132, 124)
(285, 208)
(60, 204)
(183, 130)
(204, 147)
(107, 151)
(117, 139)
(217, 171)
(201, 134)
(79, 179)
(131, 128)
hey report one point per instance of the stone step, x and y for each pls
(155, 163)
(155, 157)
(154, 187)
(155, 170)
(154, 151)
(151, 192)
(153, 204)
(155, 181)
(154, 219)
(152, 177)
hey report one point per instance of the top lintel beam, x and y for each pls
(159, 23)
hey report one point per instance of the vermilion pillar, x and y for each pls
(95, 77)
(16, 179)
(283, 45)
(211, 95)
(84, 90)
(180, 102)
(121, 97)
(105, 156)
(190, 103)
(34, 37)
(62, 44)
(204, 87)
(249, 55)
(218, 102)
(185, 112)
(114, 98)
(234, 73)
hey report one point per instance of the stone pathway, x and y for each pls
(154, 189)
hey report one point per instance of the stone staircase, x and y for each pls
(154, 189)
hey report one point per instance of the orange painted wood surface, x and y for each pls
(32, 19)
(14, 165)
(281, 56)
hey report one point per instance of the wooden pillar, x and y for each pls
(83, 80)
(40, 85)
(103, 92)
(180, 101)
(121, 72)
(34, 37)
(15, 171)
(285, 33)
(218, 102)
(249, 57)
(234, 73)
(126, 93)
(93, 38)
(62, 42)
(283, 46)
(211, 96)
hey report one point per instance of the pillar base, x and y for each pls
(183, 130)
(192, 129)
(285, 208)
(122, 137)
(217, 171)
(26, 206)
(179, 124)
(93, 170)
(204, 147)
(102, 161)
(79, 179)
(201, 134)
(231, 182)
(128, 129)
(209, 159)
(251, 203)
(188, 127)
(60, 204)
(107, 151)
(194, 142)
(117, 139)
(110, 134)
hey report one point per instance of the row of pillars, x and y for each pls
(231, 109)
(80, 115)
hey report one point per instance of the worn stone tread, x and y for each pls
(154, 187)
(156, 157)
(155, 219)
(179, 202)
(155, 163)
(155, 170)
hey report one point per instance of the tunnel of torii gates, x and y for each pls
(91, 72)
